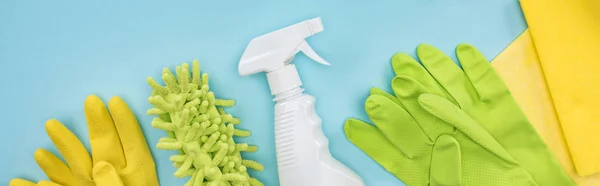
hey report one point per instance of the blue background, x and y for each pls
(53, 54)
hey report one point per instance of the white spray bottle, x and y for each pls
(303, 157)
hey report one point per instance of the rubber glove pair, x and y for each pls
(449, 126)
(120, 154)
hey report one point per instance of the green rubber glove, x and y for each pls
(480, 93)
(444, 149)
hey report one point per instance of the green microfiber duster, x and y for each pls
(200, 129)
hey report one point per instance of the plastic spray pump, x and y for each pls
(302, 150)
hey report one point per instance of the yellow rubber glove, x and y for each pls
(519, 67)
(120, 154)
(566, 34)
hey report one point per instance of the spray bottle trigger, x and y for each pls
(308, 51)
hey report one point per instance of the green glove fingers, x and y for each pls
(396, 125)
(446, 73)
(369, 139)
(376, 91)
(404, 65)
(480, 72)
(497, 160)
(445, 162)
(451, 114)
(407, 91)
(407, 67)
(480, 92)
(373, 143)
(408, 148)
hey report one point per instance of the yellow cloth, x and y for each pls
(519, 67)
(120, 154)
(566, 34)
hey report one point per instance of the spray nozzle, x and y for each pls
(275, 50)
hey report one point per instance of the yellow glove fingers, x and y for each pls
(104, 138)
(54, 168)
(72, 150)
(132, 138)
(106, 175)
(48, 183)
(20, 182)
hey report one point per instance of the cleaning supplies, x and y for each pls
(518, 65)
(430, 147)
(479, 92)
(566, 34)
(200, 129)
(303, 156)
(120, 154)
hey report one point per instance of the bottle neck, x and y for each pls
(285, 83)
(288, 95)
